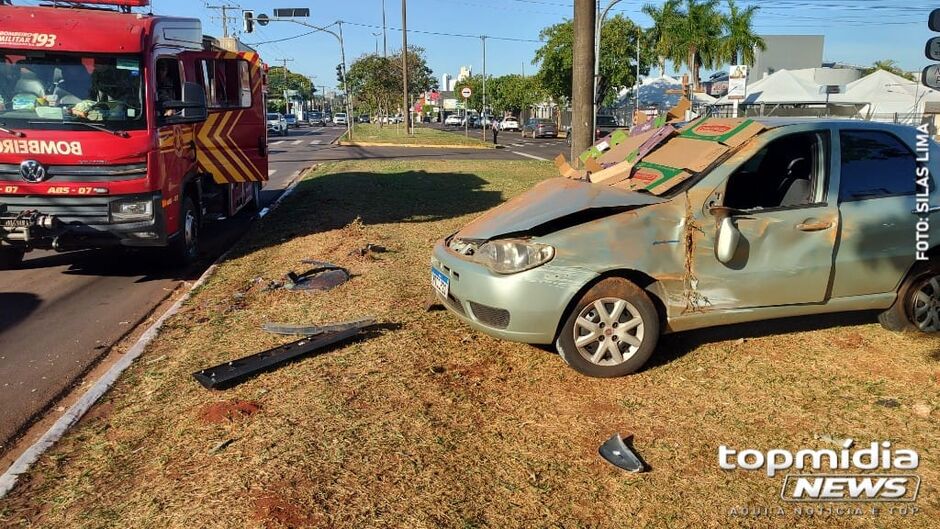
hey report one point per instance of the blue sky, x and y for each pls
(856, 31)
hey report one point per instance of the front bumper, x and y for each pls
(524, 307)
(80, 222)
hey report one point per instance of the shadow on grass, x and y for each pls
(673, 346)
(335, 200)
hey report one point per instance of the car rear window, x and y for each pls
(875, 164)
(606, 121)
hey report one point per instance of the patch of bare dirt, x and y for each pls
(227, 411)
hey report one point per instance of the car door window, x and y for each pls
(785, 173)
(875, 164)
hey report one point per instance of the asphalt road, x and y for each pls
(60, 313)
(514, 144)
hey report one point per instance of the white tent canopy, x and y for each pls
(885, 94)
(783, 87)
(661, 92)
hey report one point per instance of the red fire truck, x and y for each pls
(122, 129)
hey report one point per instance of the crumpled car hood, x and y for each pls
(550, 200)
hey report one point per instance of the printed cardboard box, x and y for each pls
(684, 153)
(727, 131)
(566, 170)
(654, 178)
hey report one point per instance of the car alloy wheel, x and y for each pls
(926, 305)
(608, 332)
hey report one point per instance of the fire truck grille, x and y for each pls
(85, 210)
(79, 173)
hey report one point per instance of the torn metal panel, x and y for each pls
(313, 330)
(236, 371)
(549, 200)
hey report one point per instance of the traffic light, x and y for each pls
(249, 21)
(931, 74)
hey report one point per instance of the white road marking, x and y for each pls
(534, 157)
(296, 142)
(271, 172)
(278, 142)
(316, 142)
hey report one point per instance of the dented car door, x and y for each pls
(769, 230)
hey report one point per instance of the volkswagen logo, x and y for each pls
(32, 171)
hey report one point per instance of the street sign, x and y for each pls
(466, 92)
(292, 12)
(262, 19)
(930, 76)
(737, 82)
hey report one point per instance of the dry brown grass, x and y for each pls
(435, 425)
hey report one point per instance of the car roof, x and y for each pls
(773, 123)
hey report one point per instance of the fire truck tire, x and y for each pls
(185, 248)
(255, 204)
(11, 258)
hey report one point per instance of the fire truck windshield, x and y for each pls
(56, 90)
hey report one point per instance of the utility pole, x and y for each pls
(483, 38)
(225, 18)
(384, 33)
(597, 55)
(284, 67)
(582, 79)
(404, 63)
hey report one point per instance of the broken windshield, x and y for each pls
(53, 90)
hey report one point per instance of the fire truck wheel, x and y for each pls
(255, 204)
(185, 248)
(10, 258)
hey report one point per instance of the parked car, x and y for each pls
(316, 119)
(803, 218)
(291, 121)
(453, 120)
(473, 121)
(327, 118)
(605, 125)
(277, 125)
(363, 118)
(540, 128)
(340, 118)
(509, 123)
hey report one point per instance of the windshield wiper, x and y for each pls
(12, 132)
(102, 128)
(95, 126)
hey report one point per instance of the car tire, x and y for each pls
(184, 250)
(917, 307)
(11, 258)
(637, 319)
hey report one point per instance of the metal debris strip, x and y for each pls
(313, 330)
(617, 453)
(237, 371)
(368, 249)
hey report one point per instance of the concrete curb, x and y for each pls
(415, 145)
(102, 385)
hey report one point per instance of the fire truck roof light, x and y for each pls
(119, 3)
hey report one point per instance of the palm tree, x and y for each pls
(740, 40)
(660, 33)
(696, 36)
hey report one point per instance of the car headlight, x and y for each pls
(509, 256)
(129, 210)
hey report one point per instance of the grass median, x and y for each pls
(373, 134)
(430, 424)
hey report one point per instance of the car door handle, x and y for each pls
(814, 226)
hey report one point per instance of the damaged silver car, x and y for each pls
(802, 218)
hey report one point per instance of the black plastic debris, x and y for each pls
(323, 276)
(313, 330)
(237, 371)
(617, 453)
(368, 249)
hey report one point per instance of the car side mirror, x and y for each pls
(191, 109)
(727, 241)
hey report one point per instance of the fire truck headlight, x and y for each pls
(132, 210)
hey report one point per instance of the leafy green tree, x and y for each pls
(375, 82)
(658, 36)
(515, 93)
(740, 40)
(891, 66)
(280, 79)
(617, 60)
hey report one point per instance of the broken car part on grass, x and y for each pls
(236, 371)
(723, 221)
(616, 452)
(313, 330)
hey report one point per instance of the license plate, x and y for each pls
(440, 282)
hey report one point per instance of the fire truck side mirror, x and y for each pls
(192, 109)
